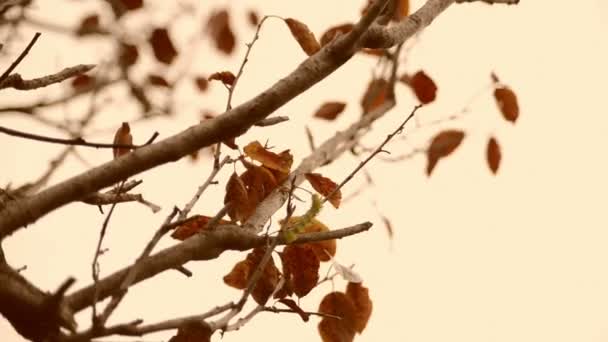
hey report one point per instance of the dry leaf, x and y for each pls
(220, 31)
(333, 32)
(253, 18)
(193, 225)
(280, 162)
(241, 273)
(302, 34)
(333, 329)
(359, 295)
(330, 110)
(201, 83)
(162, 46)
(303, 268)
(323, 249)
(325, 187)
(422, 85)
(88, 25)
(290, 303)
(225, 77)
(122, 137)
(128, 54)
(236, 195)
(507, 103)
(375, 95)
(441, 146)
(493, 155)
(82, 81)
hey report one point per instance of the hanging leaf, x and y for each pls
(303, 36)
(441, 146)
(507, 103)
(333, 32)
(193, 331)
(122, 137)
(220, 31)
(330, 110)
(281, 162)
(334, 329)
(325, 187)
(359, 295)
(493, 155)
(303, 268)
(236, 195)
(193, 225)
(201, 83)
(241, 273)
(375, 95)
(225, 77)
(422, 85)
(162, 46)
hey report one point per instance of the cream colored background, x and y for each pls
(516, 257)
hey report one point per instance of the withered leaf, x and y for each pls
(325, 187)
(324, 250)
(236, 195)
(333, 329)
(201, 83)
(193, 225)
(162, 46)
(359, 295)
(422, 85)
(122, 137)
(280, 162)
(242, 272)
(493, 155)
(128, 54)
(303, 265)
(441, 146)
(82, 81)
(507, 103)
(225, 77)
(253, 18)
(303, 36)
(88, 25)
(290, 303)
(330, 110)
(375, 95)
(239, 275)
(333, 32)
(220, 31)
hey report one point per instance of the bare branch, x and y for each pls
(15, 80)
(24, 53)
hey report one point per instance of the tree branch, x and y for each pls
(15, 80)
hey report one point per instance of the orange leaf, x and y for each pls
(507, 103)
(226, 77)
(323, 249)
(281, 162)
(493, 155)
(441, 146)
(363, 304)
(192, 226)
(333, 32)
(422, 85)
(302, 34)
(303, 268)
(122, 137)
(325, 187)
(330, 110)
(236, 194)
(375, 95)
(162, 46)
(220, 31)
(333, 329)
(194, 331)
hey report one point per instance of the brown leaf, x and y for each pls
(236, 195)
(88, 25)
(359, 295)
(220, 31)
(132, 4)
(333, 32)
(128, 54)
(281, 162)
(290, 303)
(201, 83)
(441, 146)
(162, 46)
(302, 264)
(334, 329)
(225, 77)
(375, 95)
(259, 177)
(239, 275)
(303, 36)
(253, 18)
(194, 331)
(193, 225)
(330, 110)
(82, 81)
(493, 155)
(507, 103)
(158, 80)
(122, 137)
(325, 187)
(422, 85)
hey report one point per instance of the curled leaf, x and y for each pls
(330, 110)
(493, 155)
(441, 146)
(303, 36)
(280, 162)
(225, 77)
(122, 137)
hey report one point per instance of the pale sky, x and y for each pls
(515, 257)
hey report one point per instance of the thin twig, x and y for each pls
(20, 58)
(188, 207)
(17, 82)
